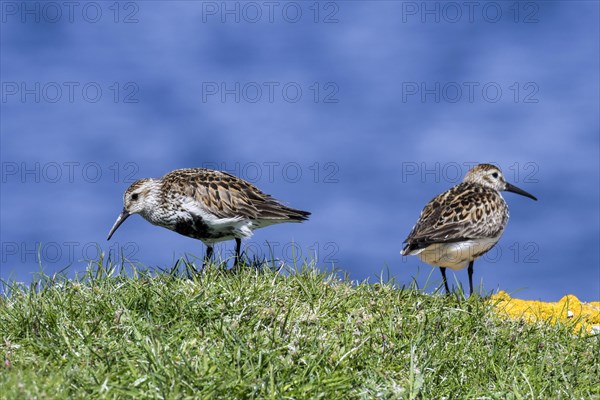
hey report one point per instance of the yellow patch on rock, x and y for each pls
(585, 317)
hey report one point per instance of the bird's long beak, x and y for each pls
(514, 189)
(120, 219)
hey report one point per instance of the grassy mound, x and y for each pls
(263, 334)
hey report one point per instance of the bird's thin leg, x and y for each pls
(470, 270)
(443, 269)
(238, 247)
(208, 256)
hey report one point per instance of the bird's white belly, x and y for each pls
(194, 221)
(456, 255)
(229, 228)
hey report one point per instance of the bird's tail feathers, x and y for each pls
(276, 212)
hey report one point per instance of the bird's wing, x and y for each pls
(221, 194)
(227, 196)
(458, 215)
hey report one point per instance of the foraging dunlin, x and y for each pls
(204, 204)
(463, 223)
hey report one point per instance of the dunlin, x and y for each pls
(204, 204)
(463, 223)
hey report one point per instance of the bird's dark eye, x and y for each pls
(134, 196)
(495, 174)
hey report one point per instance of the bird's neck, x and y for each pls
(153, 205)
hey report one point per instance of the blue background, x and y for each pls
(384, 122)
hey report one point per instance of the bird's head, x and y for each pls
(491, 176)
(137, 198)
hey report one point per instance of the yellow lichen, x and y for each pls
(584, 317)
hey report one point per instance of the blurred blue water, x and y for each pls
(358, 111)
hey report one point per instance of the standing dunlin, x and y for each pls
(204, 204)
(463, 223)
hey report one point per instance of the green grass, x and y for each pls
(263, 334)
